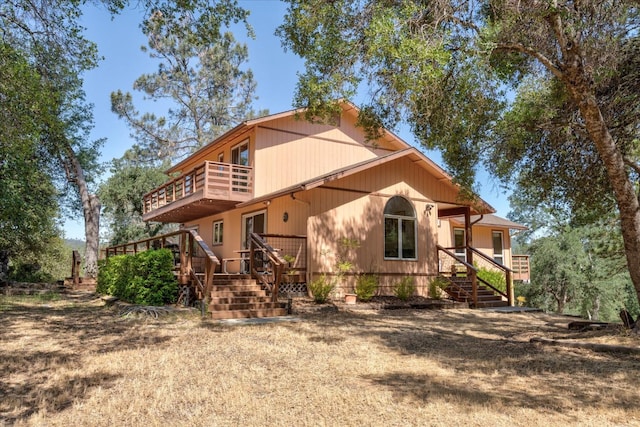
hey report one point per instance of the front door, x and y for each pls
(255, 222)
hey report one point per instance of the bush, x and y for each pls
(405, 288)
(436, 286)
(494, 277)
(321, 289)
(31, 273)
(366, 286)
(145, 278)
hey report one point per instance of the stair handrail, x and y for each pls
(257, 243)
(470, 268)
(508, 274)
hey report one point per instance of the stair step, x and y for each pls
(487, 304)
(244, 306)
(232, 294)
(240, 300)
(235, 288)
(248, 314)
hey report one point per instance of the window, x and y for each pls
(498, 248)
(217, 232)
(400, 229)
(460, 244)
(221, 167)
(240, 154)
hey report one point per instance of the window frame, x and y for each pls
(493, 248)
(399, 221)
(461, 253)
(239, 149)
(219, 224)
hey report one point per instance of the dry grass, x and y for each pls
(75, 362)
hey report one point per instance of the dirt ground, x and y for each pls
(76, 361)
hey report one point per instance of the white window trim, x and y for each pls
(462, 254)
(239, 145)
(501, 256)
(400, 218)
(213, 238)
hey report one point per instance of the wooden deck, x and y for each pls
(207, 189)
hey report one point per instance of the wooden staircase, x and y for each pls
(238, 298)
(461, 290)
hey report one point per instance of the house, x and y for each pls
(306, 189)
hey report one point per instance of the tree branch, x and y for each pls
(518, 47)
(633, 165)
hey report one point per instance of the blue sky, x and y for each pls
(119, 40)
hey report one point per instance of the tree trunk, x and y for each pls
(623, 188)
(91, 212)
(4, 265)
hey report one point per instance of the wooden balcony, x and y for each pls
(520, 266)
(209, 188)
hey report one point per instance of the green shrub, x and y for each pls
(145, 278)
(320, 289)
(494, 277)
(366, 286)
(436, 286)
(405, 288)
(28, 272)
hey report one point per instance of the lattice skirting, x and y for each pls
(293, 289)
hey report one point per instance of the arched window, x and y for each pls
(400, 229)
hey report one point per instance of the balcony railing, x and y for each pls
(520, 266)
(210, 181)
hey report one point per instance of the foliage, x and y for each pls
(121, 196)
(28, 199)
(366, 286)
(51, 263)
(201, 73)
(436, 286)
(495, 277)
(145, 278)
(321, 288)
(405, 288)
(577, 270)
(566, 131)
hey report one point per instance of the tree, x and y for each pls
(201, 75)
(48, 35)
(581, 269)
(121, 195)
(445, 66)
(28, 199)
(200, 72)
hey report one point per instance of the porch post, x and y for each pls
(468, 245)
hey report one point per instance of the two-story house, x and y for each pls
(310, 188)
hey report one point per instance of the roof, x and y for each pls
(489, 220)
(412, 153)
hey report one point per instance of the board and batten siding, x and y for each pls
(297, 212)
(289, 151)
(353, 208)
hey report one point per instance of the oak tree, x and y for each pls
(542, 92)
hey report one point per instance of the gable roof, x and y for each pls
(347, 107)
(411, 153)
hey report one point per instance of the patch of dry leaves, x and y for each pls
(76, 362)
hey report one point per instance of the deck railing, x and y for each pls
(520, 266)
(214, 180)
